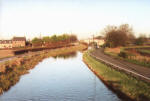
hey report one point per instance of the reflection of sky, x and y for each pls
(59, 80)
(84, 17)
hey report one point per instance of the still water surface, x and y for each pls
(60, 79)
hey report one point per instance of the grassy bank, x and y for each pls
(119, 81)
(137, 55)
(10, 71)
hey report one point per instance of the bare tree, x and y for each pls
(118, 36)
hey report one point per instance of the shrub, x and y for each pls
(123, 54)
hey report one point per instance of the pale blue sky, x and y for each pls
(83, 17)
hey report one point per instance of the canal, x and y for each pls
(62, 78)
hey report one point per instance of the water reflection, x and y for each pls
(60, 80)
(12, 75)
(67, 55)
(10, 78)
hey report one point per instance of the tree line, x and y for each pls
(121, 36)
(53, 40)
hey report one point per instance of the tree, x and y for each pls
(37, 42)
(118, 36)
(73, 38)
(129, 32)
(131, 38)
(141, 39)
(65, 37)
(126, 28)
(28, 43)
(54, 38)
(46, 39)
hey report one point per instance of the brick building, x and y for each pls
(18, 42)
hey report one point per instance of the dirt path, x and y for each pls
(135, 70)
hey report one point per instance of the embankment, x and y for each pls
(10, 71)
(125, 86)
(34, 49)
(6, 53)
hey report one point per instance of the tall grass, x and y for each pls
(133, 55)
(144, 51)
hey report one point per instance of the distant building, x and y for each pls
(98, 41)
(19, 42)
(5, 43)
(15, 42)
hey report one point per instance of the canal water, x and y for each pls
(63, 78)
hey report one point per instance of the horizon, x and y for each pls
(81, 17)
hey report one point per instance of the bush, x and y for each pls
(123, 54)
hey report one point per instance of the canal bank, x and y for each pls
(126, 86)
(11, 70)
(62, 78)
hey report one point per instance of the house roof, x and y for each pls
(5, 41)
(19, 39)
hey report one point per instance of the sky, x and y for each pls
(31, 18)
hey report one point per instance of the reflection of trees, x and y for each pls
(67, 55)
(10, 78)
(15, 68)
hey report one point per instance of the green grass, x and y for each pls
(144, 51)
(130, 47)
(123, 49)
(130, 86)
(141, 63)
(111, 54)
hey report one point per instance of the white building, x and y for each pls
(5, 43)
(15, 42)
(99, 42)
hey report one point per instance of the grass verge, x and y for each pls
(132, 58)
(119, 81)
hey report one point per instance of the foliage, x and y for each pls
(123, 54)
(48, 40)
(118, 36)
(37, 41)
(141, 40)
(54, 38)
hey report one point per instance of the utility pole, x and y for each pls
(40, 36)
(93, 38)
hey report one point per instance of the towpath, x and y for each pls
(132, 69)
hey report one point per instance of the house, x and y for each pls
(5, 43)
(98, 41)
(19, 42)
(15, 42)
